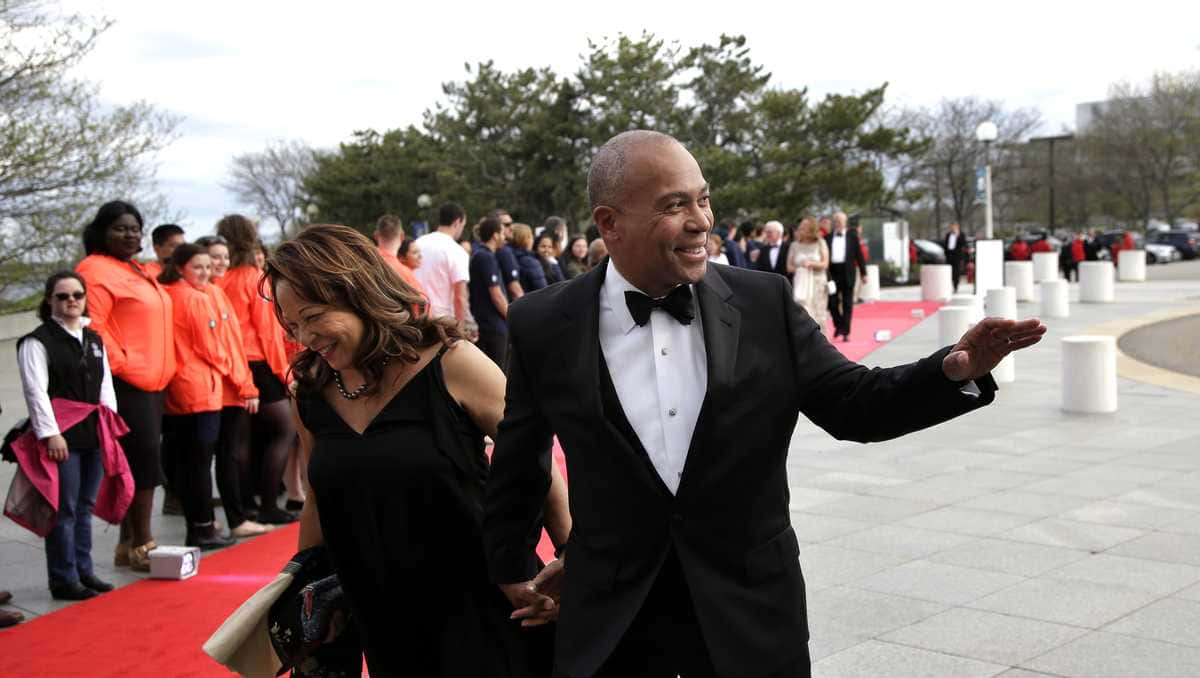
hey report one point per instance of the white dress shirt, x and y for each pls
(951, 240)
(773, 252)
(35, 379)
(443, 263)
(660, 372)
(837, 252)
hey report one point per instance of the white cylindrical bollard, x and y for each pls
(1001, 302)
(1019, 274)
(1045, 266)
(1096, 282)
(953, 322)
(1089, 374)
(1055, 302)
(870, 290)
(968, 301)
(1005, 371)
(936, 284)
(1131, 265)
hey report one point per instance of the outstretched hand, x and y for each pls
(987, 343)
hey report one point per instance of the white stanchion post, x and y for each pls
(936, 283)
(968, 301)
(1002, 303)
(1055, 300)
(1089, 374)
(1045, 266)
(1096, 282)
(989, 265)
(870, 290)
(1131, 266)
(953, 322)
(1019, 274)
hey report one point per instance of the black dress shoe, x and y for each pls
(294, 505)
(273, 515)
(207, 537)
(845, 337)
(72, 591)
(94, 583)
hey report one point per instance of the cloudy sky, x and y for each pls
(243, 73)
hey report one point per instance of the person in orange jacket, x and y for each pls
(239, 400)
(133, 315)
(389, 235)
(194, 394)
(264, 346)
(164, 239)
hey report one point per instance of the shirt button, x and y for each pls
(664, 350)
(672, 412)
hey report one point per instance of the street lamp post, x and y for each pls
(987, 133)
(1050, 141)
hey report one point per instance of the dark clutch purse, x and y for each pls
(309, 624)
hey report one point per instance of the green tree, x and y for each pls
(63, 152)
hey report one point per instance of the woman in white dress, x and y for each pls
(807, 261)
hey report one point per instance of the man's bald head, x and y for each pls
(606, 182)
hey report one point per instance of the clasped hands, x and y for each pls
(536, 601)
(987, 343)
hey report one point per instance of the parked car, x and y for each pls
(1187, 242)
(1161, 253)
(929, 252)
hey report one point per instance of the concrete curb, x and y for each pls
(18, 324)
(1132, 368)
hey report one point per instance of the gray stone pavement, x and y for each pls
(1017, 541)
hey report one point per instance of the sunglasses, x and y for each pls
(63, 296)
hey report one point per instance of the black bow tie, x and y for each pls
(678, 303)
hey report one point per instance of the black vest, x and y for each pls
(76, 372)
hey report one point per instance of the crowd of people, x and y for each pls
(189, 352)
(364, 378)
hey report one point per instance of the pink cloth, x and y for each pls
(33, 496)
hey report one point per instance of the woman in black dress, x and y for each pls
(393, 408)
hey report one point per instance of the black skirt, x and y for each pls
(270, 389)
(143, 412)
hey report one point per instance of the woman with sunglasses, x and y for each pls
(63, 358)
(133, 314)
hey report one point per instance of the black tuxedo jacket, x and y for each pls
(729, 522)
(854, 257)
(960, 247)
(764, 259)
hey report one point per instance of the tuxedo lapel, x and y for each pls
(582, 329)
(722, 330)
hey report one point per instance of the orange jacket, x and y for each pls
(196, 386)
(261, 333)
(238, 386)
(133, 314)
(152, 268)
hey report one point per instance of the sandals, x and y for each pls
(121, 556)
(139, 556)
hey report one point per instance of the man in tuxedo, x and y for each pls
(682, 560)
(845, 258)
(955, 245)
(772, 255)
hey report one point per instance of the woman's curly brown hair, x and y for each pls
(337, 266)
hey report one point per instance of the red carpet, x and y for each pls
(156, 628)
(881, 315)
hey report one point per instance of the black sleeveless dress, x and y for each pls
(401, 510)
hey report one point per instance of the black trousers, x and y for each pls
(495, 346)
(196, 437)
(233, 462)
(956, 269)
(841, 303)
(664, 640)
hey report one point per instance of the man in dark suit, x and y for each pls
(845, 258)
(682, 560)
(772, 254)
(955, 244)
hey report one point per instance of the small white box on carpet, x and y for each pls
(883, 335)
(918, 313)
(174, 562)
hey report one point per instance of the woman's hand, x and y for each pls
(252, 405)
(56, 448)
